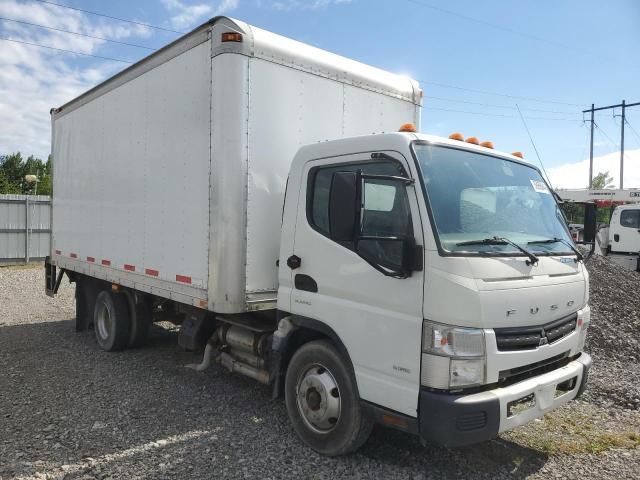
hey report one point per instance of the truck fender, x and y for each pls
(293, 332)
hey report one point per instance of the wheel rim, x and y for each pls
(318, 399)
(103, 323)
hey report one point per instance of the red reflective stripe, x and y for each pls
(91, 259)
(129, 268)
(73, 255)
(58, 252)
(149, 271)
(183, 279)
(106, 263)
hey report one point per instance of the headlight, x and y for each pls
(451, 341)
(466, 372)
(453, 357)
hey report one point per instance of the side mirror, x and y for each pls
(344, 206)
(590, 223)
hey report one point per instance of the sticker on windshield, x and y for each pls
(540, 187)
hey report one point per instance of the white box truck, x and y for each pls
(427, 284)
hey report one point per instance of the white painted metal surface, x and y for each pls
(624, 229)
(24, 228)
(379, 319)
(170, 176)
(607, 194)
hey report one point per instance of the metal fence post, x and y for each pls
(26, 230)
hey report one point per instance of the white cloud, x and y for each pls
(576, 175)
(33, 79)
(186, 16)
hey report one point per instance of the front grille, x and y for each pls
(527, 338)
(518, 374)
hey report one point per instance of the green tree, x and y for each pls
(602, 180)
(13, 169)
(12, 166)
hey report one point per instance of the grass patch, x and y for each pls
(564, 434)
(23, 266)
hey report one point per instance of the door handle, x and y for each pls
(294, 262)
(306, 283)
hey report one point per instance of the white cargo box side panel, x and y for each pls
(289, 108)
(131, 180)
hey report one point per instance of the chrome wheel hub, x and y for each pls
(318, 399)
(103, 323)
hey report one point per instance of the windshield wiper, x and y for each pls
(560, 240)
(501, 241)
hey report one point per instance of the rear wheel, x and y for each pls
(323, 402)
(140, 311)
(111, 321)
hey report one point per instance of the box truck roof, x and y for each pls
(255, 42)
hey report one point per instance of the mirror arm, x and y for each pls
(393, 178)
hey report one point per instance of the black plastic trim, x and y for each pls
(458, 420)
(390, 418)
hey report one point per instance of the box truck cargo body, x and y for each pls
(278, 203)
(171, 175)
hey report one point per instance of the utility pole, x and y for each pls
(622, 147)
(591, 149)
(592, 110)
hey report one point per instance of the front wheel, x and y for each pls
(323, 402)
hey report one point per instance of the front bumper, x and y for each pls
(457, 420)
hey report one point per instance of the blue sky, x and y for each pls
(569, 54)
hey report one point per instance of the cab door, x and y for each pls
(376, 315)
(626, 232)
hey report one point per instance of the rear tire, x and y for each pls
(323, 402)
(111, 321)
(140, 311)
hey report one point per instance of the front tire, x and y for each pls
(111, 321)
(323, 402)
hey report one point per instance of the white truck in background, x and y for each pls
(620, 239)
(424, 283)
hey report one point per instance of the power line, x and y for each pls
(517, 97)
(64, 50)
(498, 106)
(632, 129)
(613, 144)
(109, 16)
(506, 29)
(499, 114)
(75, 33)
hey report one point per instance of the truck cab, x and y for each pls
(447, 278)
(623, 234)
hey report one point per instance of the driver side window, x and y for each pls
(385, 210)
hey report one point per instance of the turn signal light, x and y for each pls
(408, 127)
(487, 144)
(473, 140)
(517, 154)
(456, 136)
(231, 37)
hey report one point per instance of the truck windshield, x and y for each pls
(484, 205)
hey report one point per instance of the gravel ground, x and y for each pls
(69, 410)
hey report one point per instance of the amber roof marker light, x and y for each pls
(487, 144)
(408, 127)
(231, 37)
(473, 140)
(517, 154)
(457, 136)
